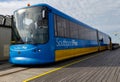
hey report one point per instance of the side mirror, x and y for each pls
(44, 14)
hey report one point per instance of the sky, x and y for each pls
(103, 15)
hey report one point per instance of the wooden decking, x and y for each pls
(105, 67)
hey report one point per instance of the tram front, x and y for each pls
(32, 26)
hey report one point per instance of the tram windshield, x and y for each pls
(32, 24)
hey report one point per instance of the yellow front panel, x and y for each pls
(69, 53)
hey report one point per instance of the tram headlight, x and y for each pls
(39, 50)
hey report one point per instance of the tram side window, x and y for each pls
(63, 26)
(100, 37)
(82, 33)
(106, 39)
(92, 34)
(76, 31)
(86, 33)
(55, 25)
(59, 27)
(71, 30)
(68, 29)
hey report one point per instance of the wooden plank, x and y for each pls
(103, 68)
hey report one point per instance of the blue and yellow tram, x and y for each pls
(48, 35)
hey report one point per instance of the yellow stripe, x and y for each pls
(69, 53)
(32, 78)
(103, 48)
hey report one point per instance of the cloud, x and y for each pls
(9, 7)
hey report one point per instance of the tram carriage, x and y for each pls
(48, 35)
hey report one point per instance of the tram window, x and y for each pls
(61, 27)
(58, 25)
(71, 30)
(64, 24)
(105, 39)
(55, 26)
(81, 32)
(76, 31)
(67, 29)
